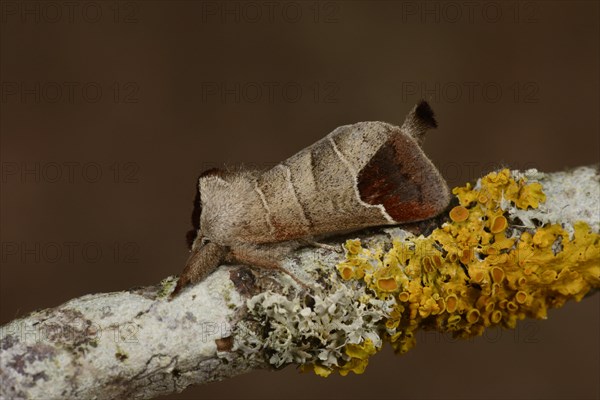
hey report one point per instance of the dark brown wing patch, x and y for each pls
(403, 180)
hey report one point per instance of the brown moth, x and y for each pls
(358, 176)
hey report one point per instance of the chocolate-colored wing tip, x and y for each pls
(402, 179)
(425, 114)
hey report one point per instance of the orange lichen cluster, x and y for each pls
(475, 271)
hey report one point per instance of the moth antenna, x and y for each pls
(418, 121)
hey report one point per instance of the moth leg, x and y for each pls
(201, 262)
(330, 247)
(269, 258)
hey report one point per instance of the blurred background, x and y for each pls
(110, 110)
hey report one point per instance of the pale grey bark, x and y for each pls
(132, 344)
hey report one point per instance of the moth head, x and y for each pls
(212, 203)
(193, 233)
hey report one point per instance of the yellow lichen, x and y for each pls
(387, 284)
(459, 214)
(475, 271)
(359, 357)
(499, 224)
(346, 272)
(403, 297)
(473, 316)
(530, 196)
(521, 297)
(317, 369)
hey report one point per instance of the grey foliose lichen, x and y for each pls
(304, 329)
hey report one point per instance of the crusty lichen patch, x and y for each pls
(482, 268)
(335, 325)
(166, 286)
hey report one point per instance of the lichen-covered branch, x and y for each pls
(511, 246)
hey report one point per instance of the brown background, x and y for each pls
(156, 123)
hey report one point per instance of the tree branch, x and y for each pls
(497, 257)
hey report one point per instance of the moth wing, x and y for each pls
(362, 175)
(403, 180)
(400, 177)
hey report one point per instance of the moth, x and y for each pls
(361, 175)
